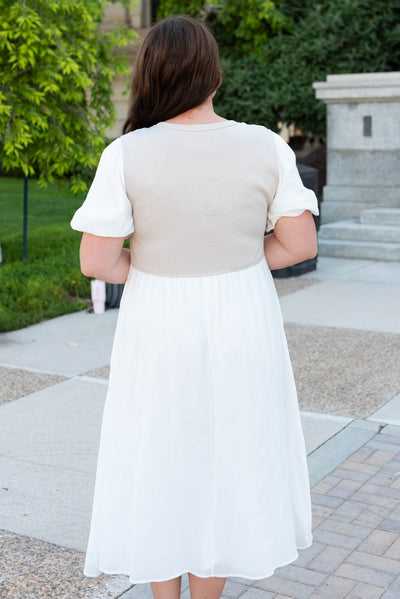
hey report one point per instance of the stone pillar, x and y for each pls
(363, 143)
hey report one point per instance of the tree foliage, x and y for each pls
(346, 36)
(295, 9)
(57, 69)
(240, 28)
(269, 70)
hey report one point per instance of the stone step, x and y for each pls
(333, 211)
(367, 250)
(353, 230)
(380, 216)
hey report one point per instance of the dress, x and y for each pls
(202, 464)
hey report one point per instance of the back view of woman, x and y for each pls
(202, 465)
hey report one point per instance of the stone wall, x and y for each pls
(139, 17)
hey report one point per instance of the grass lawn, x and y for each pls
(49, 282)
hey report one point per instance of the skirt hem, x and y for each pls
(232, 574)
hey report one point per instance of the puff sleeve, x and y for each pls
(107, 210)
(291, 197)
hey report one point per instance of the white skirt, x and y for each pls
(202, 464)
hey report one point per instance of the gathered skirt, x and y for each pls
(202, 464)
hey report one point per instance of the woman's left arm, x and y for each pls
(104, 258)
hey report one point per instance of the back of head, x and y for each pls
(176, 69)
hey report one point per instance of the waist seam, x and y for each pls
(215, 274)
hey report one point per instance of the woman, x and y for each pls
(202, 465)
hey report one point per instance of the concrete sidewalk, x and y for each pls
(54, 381)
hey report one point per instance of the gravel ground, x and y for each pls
(100, 373)
(344, 371)
(32, 569)
(16, 382)
(292, 284)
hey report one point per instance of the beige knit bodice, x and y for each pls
(195, 200)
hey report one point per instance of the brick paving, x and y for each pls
(356, 528)
(355, 552)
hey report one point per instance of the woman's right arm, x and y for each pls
(293, 240)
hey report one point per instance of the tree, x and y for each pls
(57, 69)
(334, 36)
(270, 65)
(241, 28)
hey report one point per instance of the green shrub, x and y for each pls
(242, 95)
(49, 283)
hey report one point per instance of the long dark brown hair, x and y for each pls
(176, 69)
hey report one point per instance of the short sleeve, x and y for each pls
(107, 210)
(291, 197)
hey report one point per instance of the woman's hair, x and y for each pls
(176, 69)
